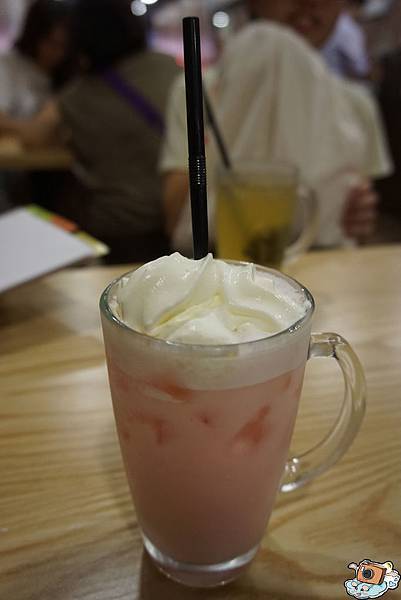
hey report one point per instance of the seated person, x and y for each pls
(113, 116)
(290, 108)
(33, 67)
(328, 26)
(11, 15)
(29, 72)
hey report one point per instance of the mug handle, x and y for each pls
(300, 470)
(310, 224)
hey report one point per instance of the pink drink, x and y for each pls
(204, 433)
(204, 466)
(206, 362)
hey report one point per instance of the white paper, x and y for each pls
(31, 247)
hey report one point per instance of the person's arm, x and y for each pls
(6, 85)
(40, 130)
(360, 212)
(173, 157)
(359, 218)
(175, 194)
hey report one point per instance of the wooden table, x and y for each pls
(15, 157)
(67, 526)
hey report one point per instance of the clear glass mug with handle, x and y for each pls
(258, 208)
(205, 433)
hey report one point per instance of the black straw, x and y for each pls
(196, 138)
(216, 132)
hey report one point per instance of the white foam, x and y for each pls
(210, 366)
(207, 301)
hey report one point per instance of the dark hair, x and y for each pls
(105, 31)
(41, 18)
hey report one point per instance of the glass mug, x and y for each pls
(205, 433)
(256, 208)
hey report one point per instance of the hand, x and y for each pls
(360, 212)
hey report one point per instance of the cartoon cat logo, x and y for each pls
(372, 579)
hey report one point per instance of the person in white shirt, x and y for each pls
(328, 26)
(29, 70)
(328, 128)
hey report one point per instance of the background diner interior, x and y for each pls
(94, 80)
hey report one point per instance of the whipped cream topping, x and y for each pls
(206, 301)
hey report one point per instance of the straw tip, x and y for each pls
(191, 24)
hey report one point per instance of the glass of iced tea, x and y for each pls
(205, 430)
(257, 205)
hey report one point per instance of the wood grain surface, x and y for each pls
(67, 525)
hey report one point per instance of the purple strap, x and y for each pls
(135, 99)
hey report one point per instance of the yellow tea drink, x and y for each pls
(255, 215)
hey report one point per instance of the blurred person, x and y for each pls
(33, 67)
(30, 71)
(345, 52)
(330, 27)
(11, 15)
(327, 25)
(346, 197)
(113, 117)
